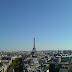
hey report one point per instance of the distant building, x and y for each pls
(66, 68)
(33, 53)
(58, 59)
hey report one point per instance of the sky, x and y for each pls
(49, 21)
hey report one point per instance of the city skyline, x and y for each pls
(49, 22)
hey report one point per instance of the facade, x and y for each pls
(66, 68)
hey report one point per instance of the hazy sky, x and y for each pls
(49, 21)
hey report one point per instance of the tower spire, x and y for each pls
(34, 42)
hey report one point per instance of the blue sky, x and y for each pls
(49, 21)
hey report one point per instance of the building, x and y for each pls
(66, 68)
(33, 53)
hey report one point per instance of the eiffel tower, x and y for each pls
(34, 50)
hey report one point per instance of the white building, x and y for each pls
(66, 68)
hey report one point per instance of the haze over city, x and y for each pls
(50, 22)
